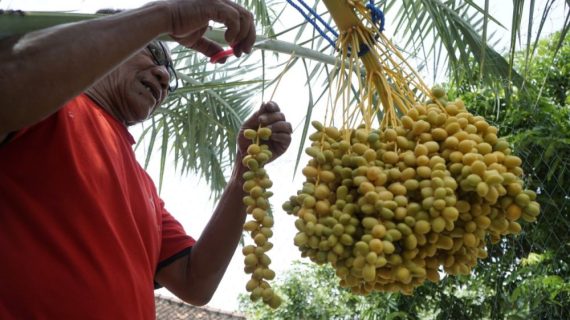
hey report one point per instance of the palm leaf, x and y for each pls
(457, 27)
(199, 122)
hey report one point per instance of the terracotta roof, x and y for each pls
(174, 309)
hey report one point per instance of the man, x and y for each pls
(83, 233)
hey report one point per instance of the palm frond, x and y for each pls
(198, 124)
(456, 26)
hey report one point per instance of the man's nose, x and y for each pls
(162, 75)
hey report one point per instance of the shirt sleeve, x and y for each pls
(175, 243)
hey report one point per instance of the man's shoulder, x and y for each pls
(83, 108)
(81, 102)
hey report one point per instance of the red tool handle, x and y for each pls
(221, 55)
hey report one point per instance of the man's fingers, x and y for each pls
(260, 116)
(230, 17)
(190, 20)
(246, 36)
(270, 118)
(268, 107)
(281, 127)
(282, 138)
(269, 115)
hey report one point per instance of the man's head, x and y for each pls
(133, 90)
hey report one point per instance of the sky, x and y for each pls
(188, 198)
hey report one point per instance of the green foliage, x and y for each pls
(541, 292)
(310, 291)
(549, 71)
(451, 34)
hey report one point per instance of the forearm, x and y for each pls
(60, 62)
(214, 249)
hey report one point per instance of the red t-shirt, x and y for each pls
(82, 228)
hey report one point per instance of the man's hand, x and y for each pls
(190, 18)
(271, 117)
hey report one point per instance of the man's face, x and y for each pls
(139, 85)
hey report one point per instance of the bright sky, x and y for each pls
(187, 198)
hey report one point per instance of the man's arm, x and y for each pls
(194, 278)
(60, 62)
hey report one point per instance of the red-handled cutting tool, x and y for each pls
(226, 53)
(220, 55)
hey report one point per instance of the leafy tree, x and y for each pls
(311, 292)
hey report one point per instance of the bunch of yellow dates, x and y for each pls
(260, 224)
(391, 208)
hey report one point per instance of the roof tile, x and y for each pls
(173, 309)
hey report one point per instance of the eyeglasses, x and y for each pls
(162, 58)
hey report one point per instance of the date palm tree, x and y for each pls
(199, 122)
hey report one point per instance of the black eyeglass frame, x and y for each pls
(164, 60)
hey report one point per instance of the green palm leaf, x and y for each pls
(202, 119)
